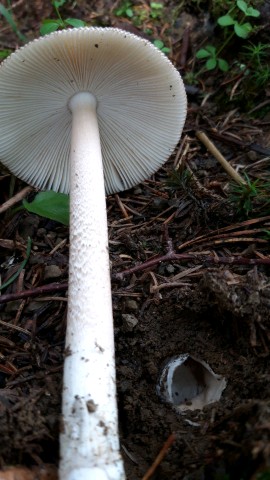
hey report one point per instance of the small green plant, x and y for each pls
(261, 76)
(179, 179)
(49, 204)
(252, 194)
(235, 17)
(156, 10)
(51, 25)
(256, 58)
(160, 45)
(4, 53)
(139, 13)
(125, 10)
(241, 28)
(255, 54)
(210, 54)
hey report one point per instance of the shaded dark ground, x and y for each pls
(217, 312)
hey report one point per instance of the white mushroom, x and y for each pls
(80, 108)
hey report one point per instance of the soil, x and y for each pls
(212, 303)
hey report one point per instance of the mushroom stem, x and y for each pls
(89, 441)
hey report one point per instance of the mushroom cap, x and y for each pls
(141, 106)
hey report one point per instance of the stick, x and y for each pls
(204, 259)
(159, 457)
(219, 157)
(17, 198)
(34, 292)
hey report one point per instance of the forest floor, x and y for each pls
(209, 297)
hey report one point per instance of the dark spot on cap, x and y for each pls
(96, 45)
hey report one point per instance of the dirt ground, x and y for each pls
(212, 302)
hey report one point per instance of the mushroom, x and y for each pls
(81, 110)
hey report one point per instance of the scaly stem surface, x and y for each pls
(89, 441)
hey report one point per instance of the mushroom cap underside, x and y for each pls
(141, 106)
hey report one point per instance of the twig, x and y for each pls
(168, 240)
(122, 207)
(21, 267)
(185, 47)
(182, 152)
(16, 4)
(52, 299)
(229, 229)
(57, 247)
(151, 263)
(236, 85)
(262, 104)
(15, 199)
(222, 160)
(160, 457)
(15, 327)
(156, 288)
(238, 260)
(229, 140)
(34, 292)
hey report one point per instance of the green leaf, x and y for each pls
(159, 44)
(74, 22)
(125, 10)
(243, 30)
(225, 21)
(5, 53)
(223, 65)
(203, 53)
(157, 6)
(119, 12)
(58, 3)
(148, 31)
(211, 64)
(242, 5)
(211, 49)
(252, 12)
(52, 205)
(49, 26)
(129, 12)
